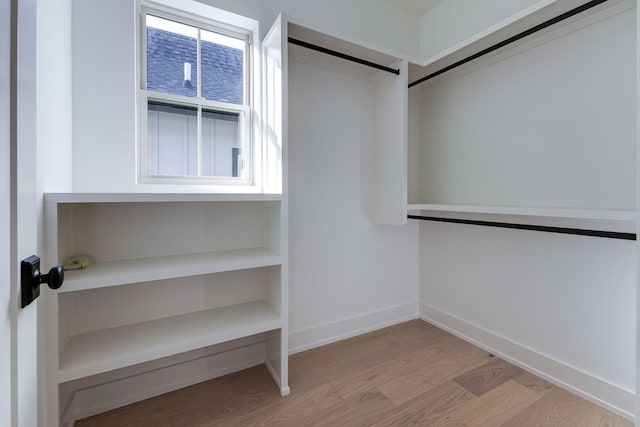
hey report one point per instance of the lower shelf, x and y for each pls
(105, 350)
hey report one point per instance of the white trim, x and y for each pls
(7, 38)
(583, 384)
(328, 333)
(215, 20)
(637, 217)
(199, 105)
(284, 391)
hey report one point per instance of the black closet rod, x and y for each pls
(343, 56)
(561, 230)
(550, 22)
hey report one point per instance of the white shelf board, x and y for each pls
(597, 214)
(158, 197)
(622, 221)
(113, 273)
(105, 350)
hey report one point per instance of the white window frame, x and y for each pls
(247, 138)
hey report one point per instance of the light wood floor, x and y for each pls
(408, 374)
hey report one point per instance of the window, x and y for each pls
(195, 101)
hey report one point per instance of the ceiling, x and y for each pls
(419, 7)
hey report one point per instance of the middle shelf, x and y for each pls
(113, 273)
(108, 349)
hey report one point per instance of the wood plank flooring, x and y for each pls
(408, 374)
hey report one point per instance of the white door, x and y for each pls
(5, 289)
(18, 327)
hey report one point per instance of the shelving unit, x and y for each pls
(506, 159)
(172, 274)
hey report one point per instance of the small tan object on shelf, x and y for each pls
(79, 262)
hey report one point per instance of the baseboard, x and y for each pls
(581, 383)
(284, 391)
(104, 397)
(328, 333)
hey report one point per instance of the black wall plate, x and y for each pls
(29, 280)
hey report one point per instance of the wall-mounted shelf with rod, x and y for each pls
(528, 131)
(619, 224)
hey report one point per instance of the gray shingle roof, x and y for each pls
(222, 67)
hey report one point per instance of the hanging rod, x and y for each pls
(343, 56)
(561, 230)
(552, 21)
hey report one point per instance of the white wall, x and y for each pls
(54, 96)
(557, 119)
(562, 305)
(347, 274)
(104, 95)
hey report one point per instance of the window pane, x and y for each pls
(171, 57)
(220, 144)
(172, 140)
(222, 60)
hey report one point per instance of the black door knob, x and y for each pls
(54, 278)
(31, 278)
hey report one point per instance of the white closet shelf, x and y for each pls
(594, 220)
(158, 197)
(113, 273)
(105, 350)
(587, 214)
